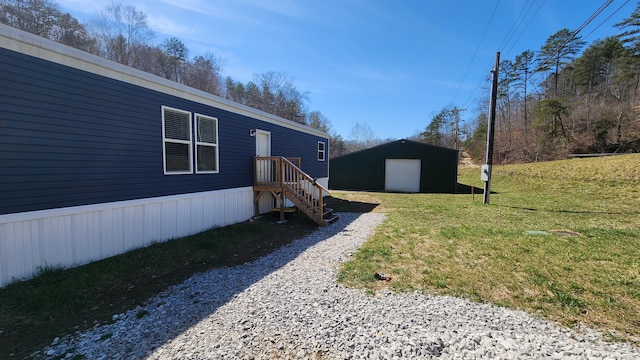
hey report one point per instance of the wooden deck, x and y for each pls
(283, 179)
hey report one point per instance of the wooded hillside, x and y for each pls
(565, 98)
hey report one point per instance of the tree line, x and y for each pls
(551, 102)
(121, 33)
(557, 101)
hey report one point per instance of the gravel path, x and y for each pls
(288, 305)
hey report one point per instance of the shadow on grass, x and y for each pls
(354, 206)
(341, 205)
(595, 212)
(172, 312)
(467, 189)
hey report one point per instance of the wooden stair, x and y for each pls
(285, 180)
(321, 215)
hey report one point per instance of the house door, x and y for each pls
(263, 143)
(265, 171)
(402, 175)
(263, 148)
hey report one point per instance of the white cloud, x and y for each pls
(168, 25)
(90, 7)
(218, 10)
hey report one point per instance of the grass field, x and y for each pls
(586, 270)
(558, 239)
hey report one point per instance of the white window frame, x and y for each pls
(196, 119)
(322, 149)
(166, 140)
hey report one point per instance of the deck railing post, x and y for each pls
(255, 170)
(284, 179)
(281, 169)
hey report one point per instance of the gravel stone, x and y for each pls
(287, 305)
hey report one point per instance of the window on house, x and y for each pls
(176, 131)
(206, 144)
(321, 151)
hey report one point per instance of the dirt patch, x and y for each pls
(466, 161)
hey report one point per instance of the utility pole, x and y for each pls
(486, 169)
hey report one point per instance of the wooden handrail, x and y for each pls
(266, 169)
(283, 174)
(306, 176)
(300, 185)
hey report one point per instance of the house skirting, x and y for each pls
(324, 182)
(78, 235)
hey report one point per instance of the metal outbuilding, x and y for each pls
(397, 166)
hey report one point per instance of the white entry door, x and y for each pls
(263, 148)
(402, 175)
(264, 171)
(263, 143)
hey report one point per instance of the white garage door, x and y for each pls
(402, 175)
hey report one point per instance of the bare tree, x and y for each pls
(203, 73)
(44, 18)
(523, 69)
(123, 33)
(317, 120)
(362, 135)
(70, 32)
(270, 84)
(35, 16)
(277, 95)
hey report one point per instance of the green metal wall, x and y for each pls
(365, 170)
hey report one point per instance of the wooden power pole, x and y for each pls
(486, 169)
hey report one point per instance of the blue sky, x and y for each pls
(388, 64)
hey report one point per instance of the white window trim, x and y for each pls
(176, 141)
(322, 151)
(197, 143)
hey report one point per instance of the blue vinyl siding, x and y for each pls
(70, 137)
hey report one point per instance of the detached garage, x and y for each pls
(398, 166)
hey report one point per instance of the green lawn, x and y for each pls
(439, 243)
(585, 270)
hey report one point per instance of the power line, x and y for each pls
(607, 19)
(476, 51)
(595, 15)
(522, 15)
(574, 34)
(529, 5)
(526, 27)
(518, 21)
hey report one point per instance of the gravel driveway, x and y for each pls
(288, 305)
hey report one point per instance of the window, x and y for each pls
(182, 137)
(176, 132)
(206, 144)
(321, 151)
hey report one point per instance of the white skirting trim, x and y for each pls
(78, 235)
(325, 183)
